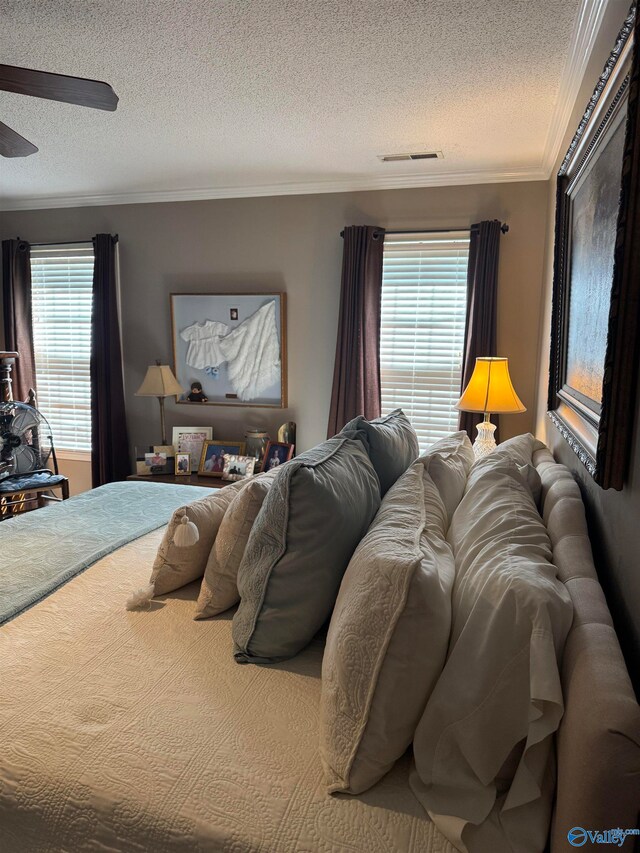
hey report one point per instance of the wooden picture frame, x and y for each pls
(191, 440)
(229, 447)
(183, 465)
(284, 451)
(225, 384)
(596, 284)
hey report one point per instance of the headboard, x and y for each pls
(598, 743)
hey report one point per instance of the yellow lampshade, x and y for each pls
(490, 389)
(159, 382)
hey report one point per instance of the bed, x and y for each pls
(137, 731)
(126, 731)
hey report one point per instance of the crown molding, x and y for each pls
(585, 32)
(370, 183)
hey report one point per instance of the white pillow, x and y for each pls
(500, 687)
(449, 461)
(388, 636)
(533, 482)
(520, 448)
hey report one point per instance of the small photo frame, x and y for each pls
(276, 454)
(191, 440)
(155, 459)
(213, 453)
(167, 449)
(237, 467)
(156, 462)
(183, 464)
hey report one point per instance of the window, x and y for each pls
(424, 298)
(62, 293)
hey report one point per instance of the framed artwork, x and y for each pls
(183, 464)
(230, 349)
(213, 453)
(191, 440)
(596, 285)
(237, 467)
(277, 453)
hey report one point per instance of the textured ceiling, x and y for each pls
(222, 96)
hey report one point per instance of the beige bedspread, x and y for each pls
(126, 731)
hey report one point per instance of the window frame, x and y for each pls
(52, 321)
(415, 266)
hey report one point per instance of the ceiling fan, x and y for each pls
(54, 87)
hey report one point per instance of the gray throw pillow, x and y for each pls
(392, 444)
(318, 509)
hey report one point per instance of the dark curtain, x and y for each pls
(482, 308)
(356, 375)
(109, 445)
(16, 307)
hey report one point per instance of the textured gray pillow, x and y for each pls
(318, 509)
(393, 444)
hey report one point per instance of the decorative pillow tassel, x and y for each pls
(141, 598)
(186, 533)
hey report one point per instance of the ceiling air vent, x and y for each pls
(417, 155)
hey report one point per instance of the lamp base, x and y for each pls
(485, 442)
(163, 428)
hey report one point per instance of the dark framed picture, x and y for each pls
(213, 453)
(230, 349)
(596, 286)
(276, 454)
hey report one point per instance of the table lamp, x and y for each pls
(160, 382)
(489, 391)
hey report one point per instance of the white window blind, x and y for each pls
(424, 296)
(62, 294)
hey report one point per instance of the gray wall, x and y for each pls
(613, 517)
(291, 243)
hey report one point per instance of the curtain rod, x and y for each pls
(65, 242)
(504, 227)
(61, 243)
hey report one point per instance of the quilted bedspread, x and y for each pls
(41, 550)
(137, 731)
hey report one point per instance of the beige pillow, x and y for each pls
(175, 566)
(388, 636)
(219, 590)
(448, 462)
(500, 686)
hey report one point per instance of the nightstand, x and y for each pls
(182, 480)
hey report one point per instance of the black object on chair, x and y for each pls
(26, 450)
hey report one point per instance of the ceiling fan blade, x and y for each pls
(58, 87)
(14, 145)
